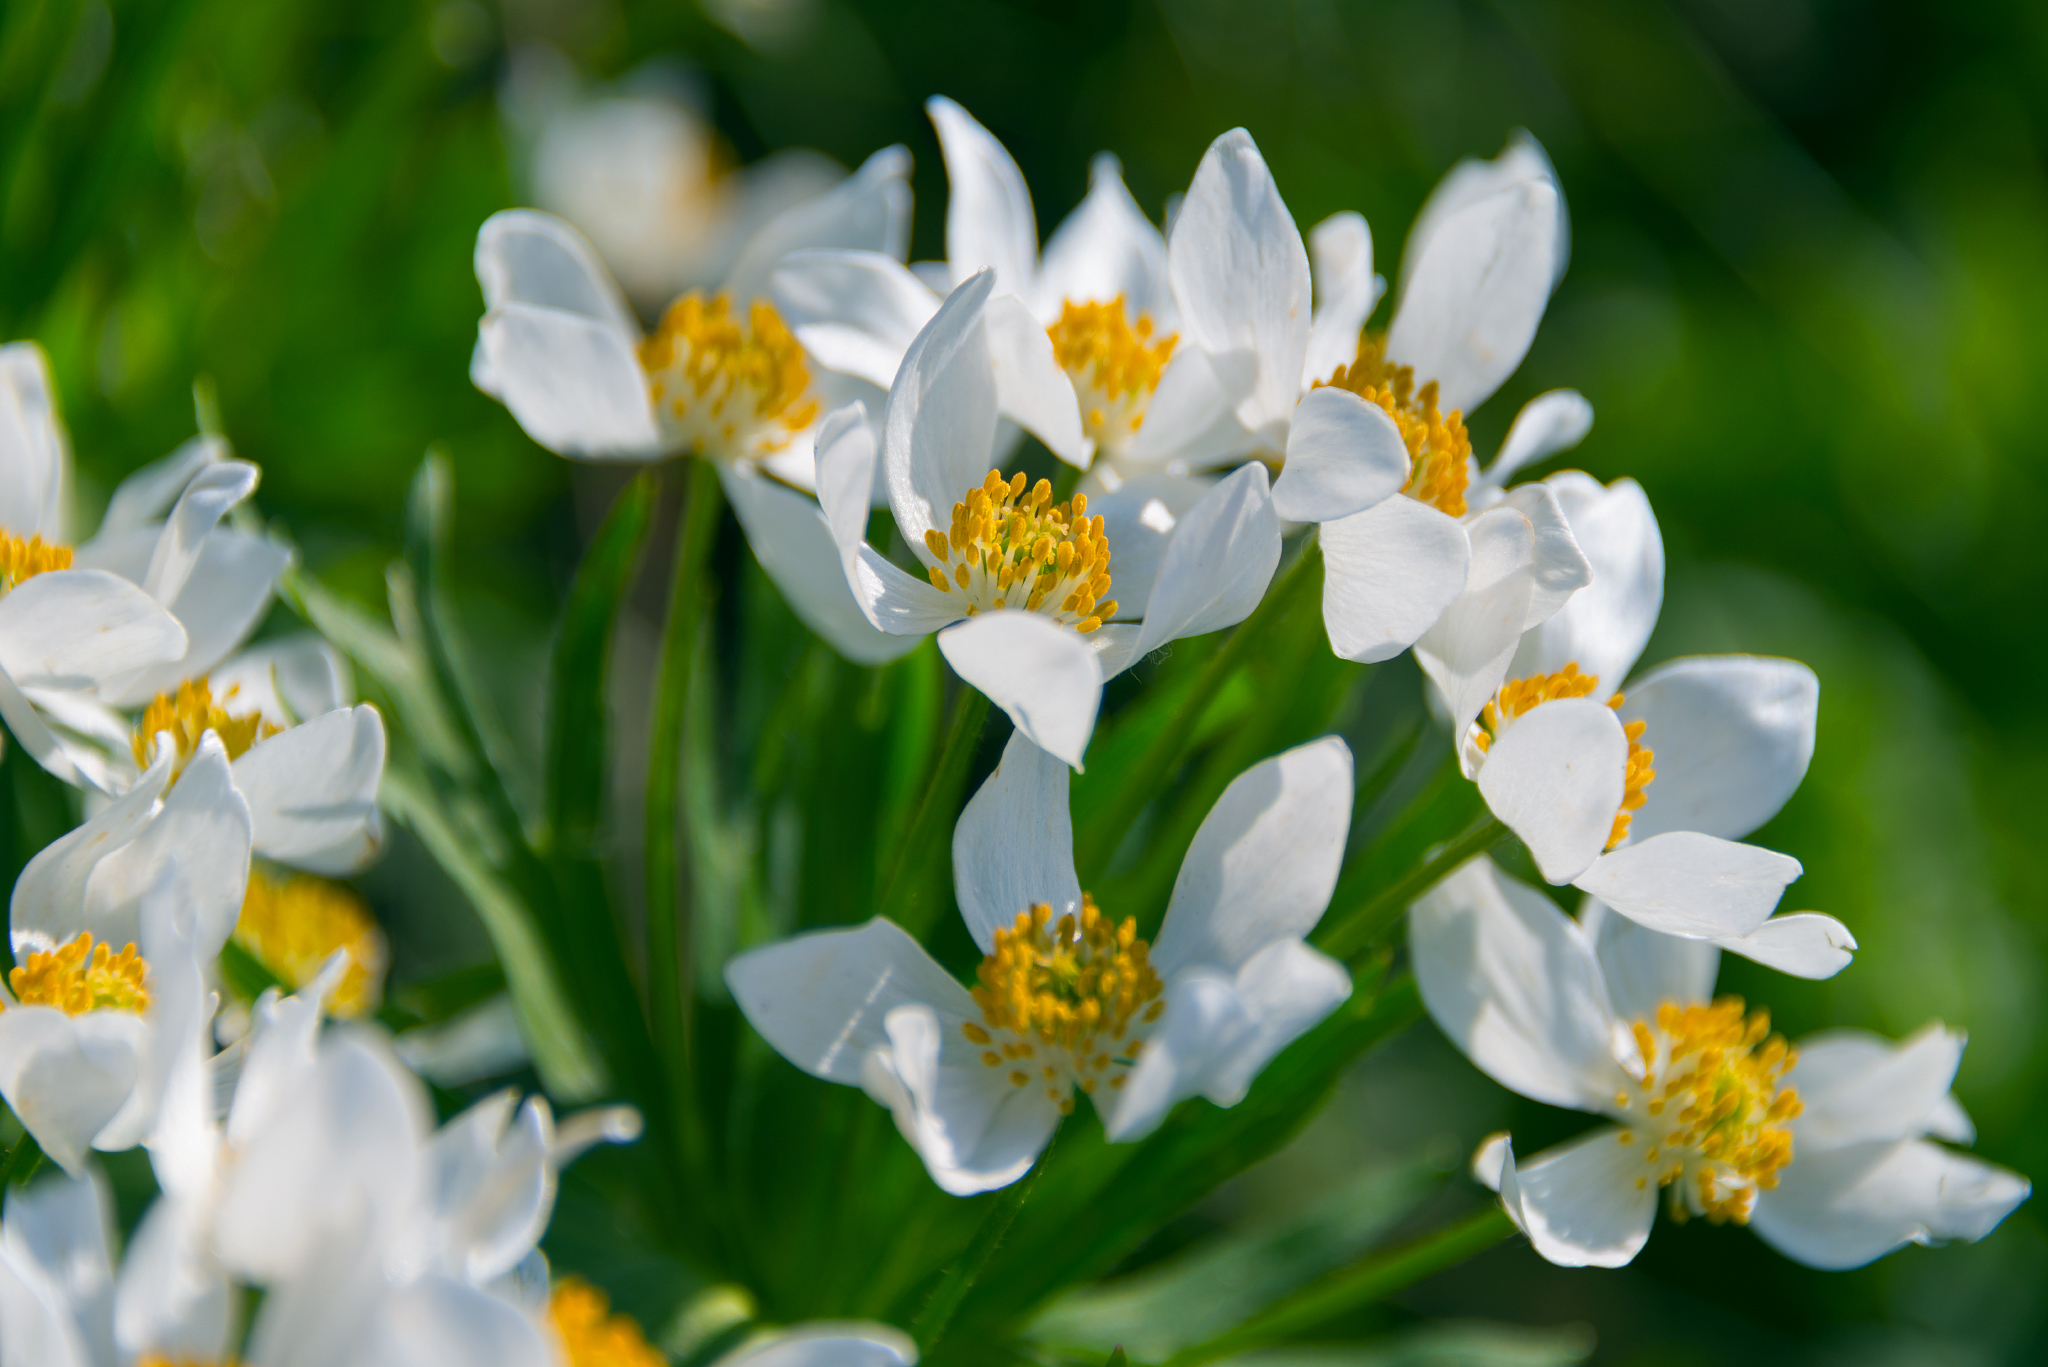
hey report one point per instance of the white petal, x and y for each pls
(1014, 845)
(172, 1296)
(481, 1043)
(67, 1077)
(854, 312)
(1514, 984)
(828, 1343)
(1466, 653)
(63, 1227)
(892, 601)
(526, 257)
(1733, 735)
(490, 1185)
(989, 223)
(938, 431)
(869, 211)
(1343, 456)
(1805, 944)
(1608, 622)
(35, 456)
(1241, 275)
(574, 384)
(1583, 1204)
(37, 1326)
(226, 594)
(49, 898)
(1558, 569)
(1684, 883)
(145, 497)
(1106, 249)
(790, 537)
(1031, 389)
(75, 629)
(199, 840)
(312, 792)
(1191, 421)
(1555, 777)
(1203, 1015)
(1139, 520)
(1340, 248)
(205, 501)
(1845, 1207)
(820, 997)
(1219, 559)
(974, 1129)
(1860, 1088)
(1554, 421)
(438, 1321)
(1042, 674)
(1286, 989)
(1473, 180)
(1645, 968)
(1264, 862)
(1388, 574)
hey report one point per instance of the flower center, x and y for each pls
(1007, 550)
(1715, 1110)
(724, 386)
(1518, 696)
(1114, 365)
(1065, 1003)
(188, 714)
(21, 560)
(591, 1336)
(80, 976)
(1439, 449)
(293, 926)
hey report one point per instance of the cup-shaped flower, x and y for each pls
(1640, 794)
(1824, 1150)
(1066, 998)
(110, 925)
(1019, 587)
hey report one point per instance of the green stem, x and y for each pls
(1361, 1284)
(1099, 839)
(934, 806)
(930, 1325)
(1357, 930)
(22, 1161)
(668, 972)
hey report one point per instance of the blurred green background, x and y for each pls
(1810, 257)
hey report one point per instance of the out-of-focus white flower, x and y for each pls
(1067, 998)
(1639, 798)
(1602, 1015)
(587, 1334)
(1016, 586)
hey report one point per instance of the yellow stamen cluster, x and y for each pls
(292, 928)
(1065, 1002)
(79, 976)
(188, 714)
(1114, 365)
(591, 1336)
(1007, 549)
(1716, 1111)
(21, 560)
(724, 386)
(1642, 767)
(1439, 448)
(1518, 696)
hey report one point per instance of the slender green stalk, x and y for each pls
(935, 805)
(1360, 1284)
(1142, 782)
(930, 1325)
(1357, 930)
(22, 1161)
(668, 939)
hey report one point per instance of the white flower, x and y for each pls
(1640, 798)
(1823, 1150)
(90, 1031)
(1066, 997)
(587, 1334)
(1016, 586)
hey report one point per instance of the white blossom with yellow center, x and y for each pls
(1068, 999)
(1823, 1150)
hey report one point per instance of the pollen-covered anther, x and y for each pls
(80, 976)
(21, 560)
(590, 1335)
(1715, 1076)
(1114, 364)
(292, 927)
(1439, 448)
(188, 713)
(726, 386)
(1008, 548)
(1078, 991)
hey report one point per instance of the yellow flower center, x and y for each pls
(591, 1335)
(79, 976)
(1065, 1004)
(1439, 449)
(188, 714)
(1518, 696)
(1715, 1111)
(724, 386)
(1114, 365)
(21, 560)
(159, 1360)
(292, 927)
(1009, 550)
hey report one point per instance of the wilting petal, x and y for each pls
(1606, 624)
(1042, 674)
(1340, 248)
(938, 432)
(1219, 559)
(1388, 574)
(1733, 735)
(1582, 1204)
(1684, 883)
(1843, 1208)
(312, 792)
(1014, 845)
(869, 211)
(1031, 389)
(1343, 456)
(574, 384)
(1106, 249)
(1556, 778)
